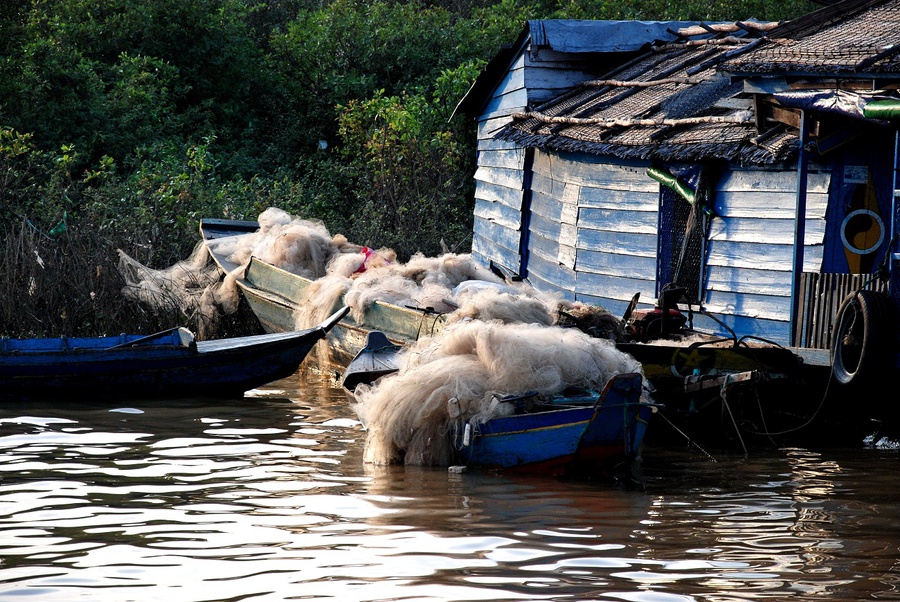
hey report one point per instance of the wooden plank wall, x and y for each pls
(551, 240)
(593, 229)
(499, 176)
(616, 206)
(751, 238)
(534, 77)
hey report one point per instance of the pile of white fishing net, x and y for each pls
(501, 337)
(459, 375)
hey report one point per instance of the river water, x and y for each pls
(268, 498)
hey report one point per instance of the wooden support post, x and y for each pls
(799, 228)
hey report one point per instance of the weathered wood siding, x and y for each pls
(549, 73)
(535, 77)
(499, 175)
(593, 228)
(553, 222)
(751, 247)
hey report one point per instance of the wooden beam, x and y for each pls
(790, 117)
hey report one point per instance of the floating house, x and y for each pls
(749, 166)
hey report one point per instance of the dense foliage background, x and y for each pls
(123, 122)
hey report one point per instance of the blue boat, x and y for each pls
(583, 431)
(169, 364)
(588, 432)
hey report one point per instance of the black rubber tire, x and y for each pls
(863, 338)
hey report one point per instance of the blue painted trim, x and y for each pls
(525, 232)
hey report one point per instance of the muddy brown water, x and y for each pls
(268, 498)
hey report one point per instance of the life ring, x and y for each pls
(859, 229)
(863, 338)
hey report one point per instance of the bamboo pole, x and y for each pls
(706, 28)
(742, 117)
(619, 83)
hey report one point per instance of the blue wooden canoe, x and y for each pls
(581, 431)
(589, 432)
(168, 364)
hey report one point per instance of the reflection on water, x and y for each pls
(267, 498)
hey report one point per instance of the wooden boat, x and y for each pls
(169, 364)
(728, 389)
(377, 358)
(275, 295)
(585, 433)
(740, 397)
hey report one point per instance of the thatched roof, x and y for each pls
(850, 38)
(685, 101)
(669, 104)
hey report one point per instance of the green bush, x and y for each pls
(123, 123)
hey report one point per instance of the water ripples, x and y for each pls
(267, 498)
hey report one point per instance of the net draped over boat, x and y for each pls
(191, 287)
(195, 288)
(460, 375)
(339, 271)
(300, 246)
(502, 337)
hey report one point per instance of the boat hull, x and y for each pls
(592, 437)
(276, 297)
(667, 363)
(378, 357)
(151, 368)
(746, 396)
(535, 440)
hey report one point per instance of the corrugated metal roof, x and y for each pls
(854, 37)
(670, 104)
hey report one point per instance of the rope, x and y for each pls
(683, 434)
(723, 393)
(805, 424)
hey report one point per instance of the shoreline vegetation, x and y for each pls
(123, 124)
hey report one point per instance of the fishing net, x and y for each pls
(195, 286)
(190, 288)
(422, 282)
(502, 338)
(478, 300)
(300, 246)
(459, 375)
